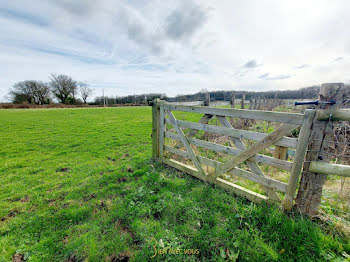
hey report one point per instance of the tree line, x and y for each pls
(307, 92)
(60, 87)
(143, 99)
(303, 93)
(65, 90)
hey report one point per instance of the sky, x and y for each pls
(176, 46)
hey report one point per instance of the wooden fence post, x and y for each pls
(255, 103)
(251, 103)
(300, 153)
(207, 99)
(232, 100)
(280, 152)
(155, 128)
(258, 104)
(310, 188)
(275, 101)
(243, 101)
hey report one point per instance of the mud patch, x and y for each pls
(25, 199)
(12, 213)
(102, 206)
(124, 256)
(14, 199)
(51, 202)
(72, 258)
(18, 258)
(122, 179)
(65, 205)
(65, 240)
(63, 169)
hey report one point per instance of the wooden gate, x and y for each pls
(239, 153)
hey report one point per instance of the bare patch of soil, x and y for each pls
(72, 258)
(25, 199)
(65, 240)
(12, 213)
(122, 179)
(18, 258)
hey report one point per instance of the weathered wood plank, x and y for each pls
(183, 139)
(184, 168)
(270, 139)
(250, 135)
(329, 169)
(300, 153)
(289, 118)
(262, 180)
(285, 165)
(238, 190)
(336, 115)
(190, 103)
(241, 191)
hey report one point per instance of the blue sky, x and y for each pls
(175, 47)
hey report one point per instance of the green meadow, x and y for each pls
(80, 185)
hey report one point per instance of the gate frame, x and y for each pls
(162, 108)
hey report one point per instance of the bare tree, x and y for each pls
(41, 93)
(85, 91)
(30, 91)
(63, 87)
(22, 92)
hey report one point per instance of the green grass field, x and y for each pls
(79, 185)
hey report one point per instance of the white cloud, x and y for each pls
(173, 47)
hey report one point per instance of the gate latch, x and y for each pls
(332, 102)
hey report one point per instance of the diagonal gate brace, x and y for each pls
(270, 139)
(251, 164)
(184, 140)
